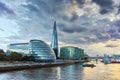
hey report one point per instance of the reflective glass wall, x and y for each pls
(22, 48)
(41, 51)
(70, 52)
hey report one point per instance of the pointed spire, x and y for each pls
(54, 25)
(54, 43)
(54, 37)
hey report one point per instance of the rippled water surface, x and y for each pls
(70, 72)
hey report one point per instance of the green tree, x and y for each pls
(3, 56)
(28, 58)
(86, 56)
(2, 51)
(14, 56)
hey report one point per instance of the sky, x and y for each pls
(93, 25)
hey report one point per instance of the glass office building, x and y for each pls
(18, 47)
(70, 52)
(54, 43)
(39, 49)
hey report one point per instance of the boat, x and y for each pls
(118, 60)
(115, 58)
(106, 59)
(88, 65)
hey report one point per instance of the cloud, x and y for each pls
(111, 45)
(79, 22)
(117, 23)
(2, 29)
(71, 29)
(74, 17)
(31, 7)
(5, 9)
(105, 5)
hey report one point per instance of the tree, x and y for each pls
(14, 56)
(28, 58)
(3, 56)
(2, 51)
(86, 56)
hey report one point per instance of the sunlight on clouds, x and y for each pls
(113, 48)
(89, 9)
(112, 17)
(92, 36)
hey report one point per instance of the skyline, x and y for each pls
(89, 24)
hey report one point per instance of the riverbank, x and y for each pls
(32, 65)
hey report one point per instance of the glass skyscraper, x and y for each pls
(39, 49)
(54, 43)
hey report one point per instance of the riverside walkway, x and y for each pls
(31, 65)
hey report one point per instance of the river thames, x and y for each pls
(69, 72)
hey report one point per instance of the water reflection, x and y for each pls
(71, 72)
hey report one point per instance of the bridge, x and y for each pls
(95, 58)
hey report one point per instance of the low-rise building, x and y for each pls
(70, 52)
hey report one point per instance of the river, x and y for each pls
(69, 72)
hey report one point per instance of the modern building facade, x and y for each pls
(37, 48)
(70, 52)
(54, 43)
(41, 51)
(18, 47)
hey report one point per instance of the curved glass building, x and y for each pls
(39, 49)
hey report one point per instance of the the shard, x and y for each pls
(54, 43)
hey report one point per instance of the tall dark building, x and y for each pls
(54, 43)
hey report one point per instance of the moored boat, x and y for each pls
(88, 65)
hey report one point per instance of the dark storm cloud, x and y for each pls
(105, 5)
(79, 2)
(71, 29)
(117, 23)
(114, 33)
(54, 8)
(118, 9)
(5, 9)
(74, 17)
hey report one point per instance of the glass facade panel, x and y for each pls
(70, 52)
(19, 47)
(41, 50)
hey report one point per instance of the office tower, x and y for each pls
(54, 43)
